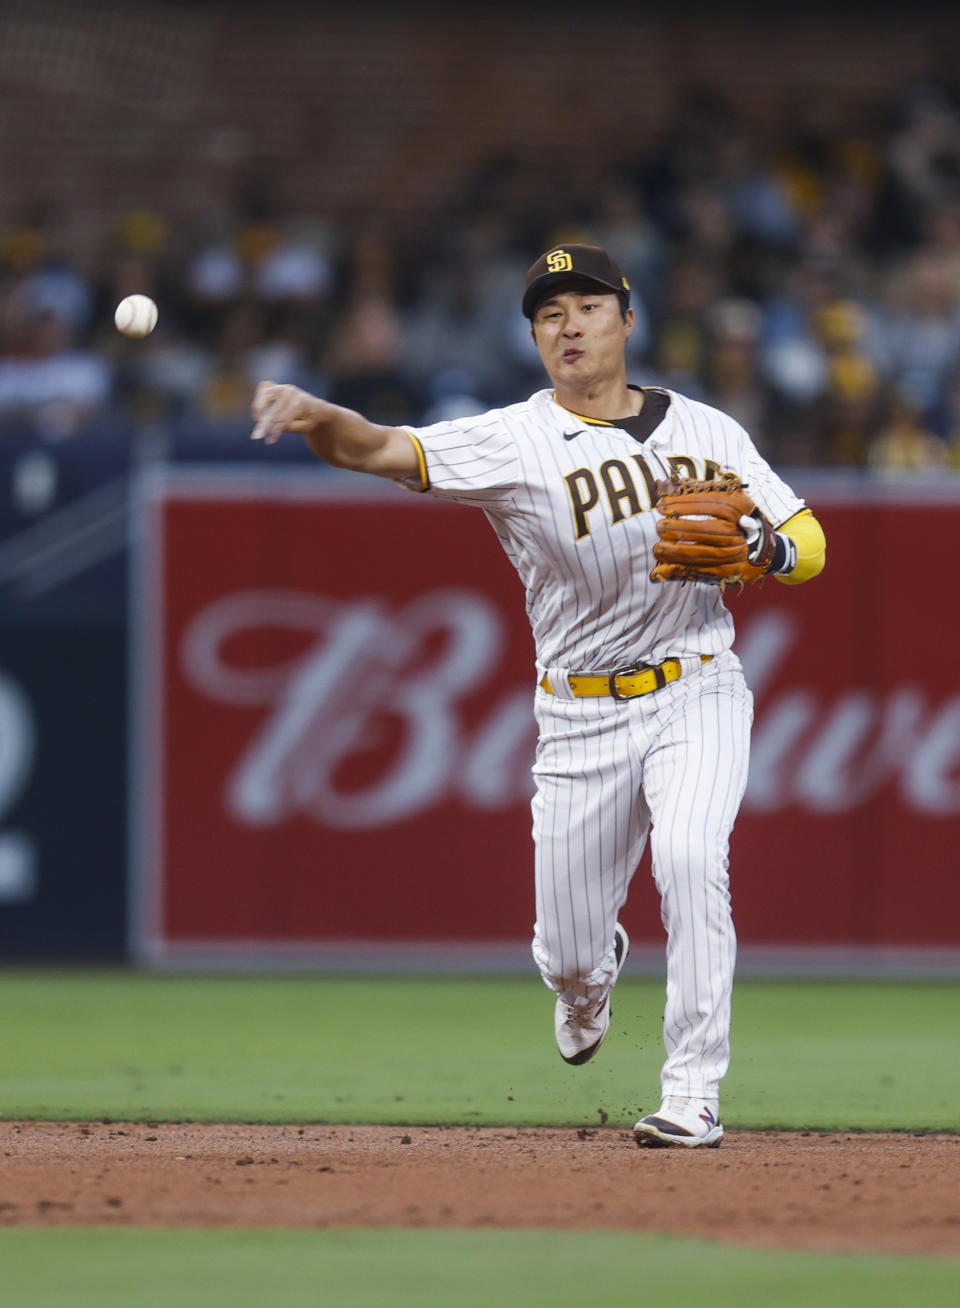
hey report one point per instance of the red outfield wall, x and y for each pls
(333, 697)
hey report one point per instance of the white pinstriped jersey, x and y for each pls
(570, 502)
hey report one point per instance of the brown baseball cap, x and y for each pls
(566, 263)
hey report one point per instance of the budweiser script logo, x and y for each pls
(419, 660)
(827, 750)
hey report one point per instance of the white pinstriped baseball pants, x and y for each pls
(672, 764)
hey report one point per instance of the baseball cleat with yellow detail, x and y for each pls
(685, 1122)
(581, 1030)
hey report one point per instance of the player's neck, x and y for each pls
(602, 401)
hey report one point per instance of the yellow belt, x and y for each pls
(624, 683)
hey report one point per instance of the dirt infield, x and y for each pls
(891, 1193)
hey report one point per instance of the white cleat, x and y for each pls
(580, 1031)
(686, 1122)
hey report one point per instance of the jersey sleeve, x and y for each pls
(470, 460)
(769, 492)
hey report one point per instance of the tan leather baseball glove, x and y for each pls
(711, 531)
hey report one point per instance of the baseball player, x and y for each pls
(643, 711)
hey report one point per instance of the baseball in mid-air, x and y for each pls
(136, 315)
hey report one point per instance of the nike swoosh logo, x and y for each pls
(570, 435)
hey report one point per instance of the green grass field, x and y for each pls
(77, 1044)
(851, 1055)
(92, 1267)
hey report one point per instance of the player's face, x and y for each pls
(581, 335)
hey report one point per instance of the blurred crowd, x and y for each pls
(802, 274)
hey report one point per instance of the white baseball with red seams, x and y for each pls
(136, 315)
(570, 500)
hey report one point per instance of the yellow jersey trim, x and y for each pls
(582, 417)
(421, 462)
(807, 534)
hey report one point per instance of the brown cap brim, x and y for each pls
(540, 288)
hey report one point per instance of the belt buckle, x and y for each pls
(631, 669)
